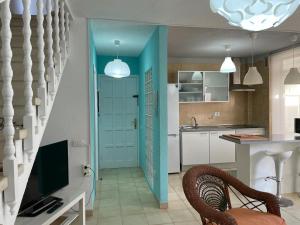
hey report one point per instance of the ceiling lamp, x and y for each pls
(197, 76)
(253, 77)
(293, 76)
(228, 65)
(117, 68)
(255, 15)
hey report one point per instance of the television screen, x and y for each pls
(50, 173)
(297, 125)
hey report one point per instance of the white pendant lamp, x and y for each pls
(117, 68)
(228, 65)
(255, 15)
(253, 77)
(293, 76)
(197, 76)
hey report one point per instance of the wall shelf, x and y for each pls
(212, 87)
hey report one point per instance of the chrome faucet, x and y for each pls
(195, 121)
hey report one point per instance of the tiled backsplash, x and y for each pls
(233, 112)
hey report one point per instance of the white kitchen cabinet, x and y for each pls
(195, 148)
(203, 86)
(254, 131)
(221, 151)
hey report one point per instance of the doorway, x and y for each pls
(118, 122)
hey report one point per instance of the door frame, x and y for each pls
(137, 117)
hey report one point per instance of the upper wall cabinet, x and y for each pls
(203, 86)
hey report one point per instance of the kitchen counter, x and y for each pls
(216, 128)
(254, 165)
(276, 138)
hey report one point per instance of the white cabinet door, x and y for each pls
(195, 148)
(221, 151)
(254, 131)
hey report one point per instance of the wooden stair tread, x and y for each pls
(3, 182)
(20, 134)
(20, 169)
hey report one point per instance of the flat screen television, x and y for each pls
(297, 125)
(50, 173)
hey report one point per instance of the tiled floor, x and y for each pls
(123, 198)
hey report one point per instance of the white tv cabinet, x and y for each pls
(71, 198)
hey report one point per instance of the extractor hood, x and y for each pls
(235, 79)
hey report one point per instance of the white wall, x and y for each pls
(70, 114)
(285, 100)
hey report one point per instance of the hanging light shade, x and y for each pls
(197, 76)
(253, 77)
(228, 65)
(255, 15)
(293, 76)
(117, 68)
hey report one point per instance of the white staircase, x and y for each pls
(34, 51)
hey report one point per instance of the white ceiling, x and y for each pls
(210, 43)
(133, 37)
(195, 13)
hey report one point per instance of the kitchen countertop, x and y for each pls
(216, 128)
(276, 138)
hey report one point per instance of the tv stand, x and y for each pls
(70, 198)
(40, 207)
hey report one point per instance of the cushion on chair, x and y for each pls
(251, 217)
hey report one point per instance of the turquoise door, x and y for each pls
(118, 128)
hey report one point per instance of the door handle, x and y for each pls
(135, 123)
(172, 135)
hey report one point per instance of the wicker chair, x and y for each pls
(210, 191)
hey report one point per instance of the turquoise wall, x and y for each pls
(93, 127)
(154, 56)
(133, 63)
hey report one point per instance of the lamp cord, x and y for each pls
(252, 51)
(93, 188)
(294, 57)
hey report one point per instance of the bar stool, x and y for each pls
(279, 159)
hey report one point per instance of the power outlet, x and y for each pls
(86, 171)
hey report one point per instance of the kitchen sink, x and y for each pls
(199, 127)
(215, 127)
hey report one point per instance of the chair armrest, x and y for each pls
(271, 201)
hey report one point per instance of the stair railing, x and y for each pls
(9, 162)
(49, 75)
(42, 92)
(29, 119)
(50, 68)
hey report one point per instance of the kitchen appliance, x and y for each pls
(297, 125)
(173, 129)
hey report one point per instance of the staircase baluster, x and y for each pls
(41, 57)
(9, 162)
(68, 33)
(29, 117)
(50, 69)
(63, 32)
(58, 66)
